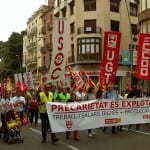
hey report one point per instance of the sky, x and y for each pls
(14, 15)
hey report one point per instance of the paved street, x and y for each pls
(126, 140)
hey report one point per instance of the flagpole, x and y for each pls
(131, 43)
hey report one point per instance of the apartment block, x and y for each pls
(88, 20)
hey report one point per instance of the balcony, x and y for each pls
(31, 61)
(31, 45)
(88, 30)
(32, 32)
(89, 57)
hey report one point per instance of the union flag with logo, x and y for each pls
(143, 57)
(110, 58)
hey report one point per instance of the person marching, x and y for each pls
(91, 96)
(45, 96)
(110, 93)
(19, 102)
(75, 133)
(33, 108)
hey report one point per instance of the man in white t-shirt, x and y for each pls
(19, 102)
(6, 104)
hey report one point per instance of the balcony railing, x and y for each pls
(31, 45)
(87, 30)
(89, 57)
(31, 61)
(32, 32)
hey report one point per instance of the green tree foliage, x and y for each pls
(8, 52)
(15, 46)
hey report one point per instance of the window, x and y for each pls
(72, 28)
(72, 8)
(114, 5)
(44, 60)
(57, 14)
(134, 29)
(64, 12)
(89, 5)
(89, 48)
(90, 26)
(50, 38)
(133, 9)
(72, 58)
(114, 25)
(57, 3)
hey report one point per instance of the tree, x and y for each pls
(8, 52)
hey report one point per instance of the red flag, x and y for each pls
(109, 64)
(143, 57)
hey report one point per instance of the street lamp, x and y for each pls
(19, 63)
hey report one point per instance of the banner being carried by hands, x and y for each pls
(94, 114)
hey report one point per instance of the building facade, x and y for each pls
(87, 25)
(144, 21)
(88, 20)
(32, 44)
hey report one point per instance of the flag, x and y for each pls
(28, 80)
(143, 57)
(110, 58)
(59, 55)
(18, 81)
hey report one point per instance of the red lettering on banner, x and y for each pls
(69, 124)
(112, 120)
(54, 107)
(114, 104)
(109, 64)
(60, 41)
(147, 116)
(82, 107)
(143, 58)
(60, 26)
(59, 57)
(54, 75)
(135, 103)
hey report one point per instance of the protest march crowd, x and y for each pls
(20, 108)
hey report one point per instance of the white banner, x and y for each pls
(59, 55)
(18, 81)
(94, 114)
(28, 80)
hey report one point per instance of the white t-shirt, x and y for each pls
(6, 105)
(80, 95)
(19, 103)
